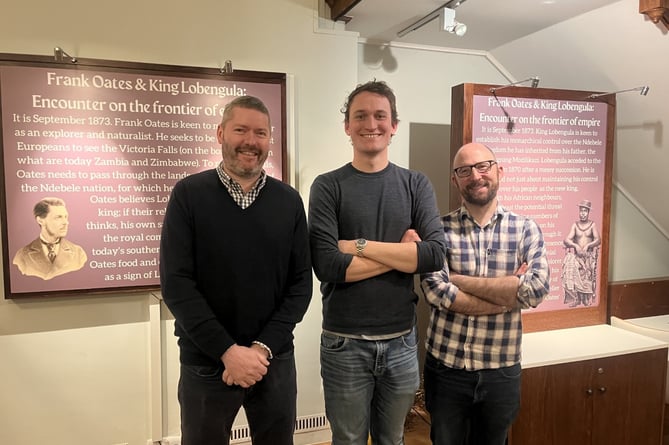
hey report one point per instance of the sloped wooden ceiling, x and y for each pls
(339, 8)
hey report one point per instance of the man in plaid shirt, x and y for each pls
(495, 266)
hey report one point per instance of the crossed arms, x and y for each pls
(381, 257)
(483, 296)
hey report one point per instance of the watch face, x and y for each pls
(360, 246)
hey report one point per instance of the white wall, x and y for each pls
(76, 370)
(75, 386)
(638, 249)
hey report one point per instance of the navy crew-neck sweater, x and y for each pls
(231, 275)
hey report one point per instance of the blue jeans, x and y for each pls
(209, 406)
(470, 407)
(369, 387)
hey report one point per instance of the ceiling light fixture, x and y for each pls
(643, 90)
(448, 23)
(452, 4)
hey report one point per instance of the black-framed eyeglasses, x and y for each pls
(481, 167)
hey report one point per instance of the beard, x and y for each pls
(233, 160)
(471, 194)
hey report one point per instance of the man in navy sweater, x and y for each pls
(236, 274)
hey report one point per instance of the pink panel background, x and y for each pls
(113, 158)
(553, 158)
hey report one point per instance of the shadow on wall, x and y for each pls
(56, 313)
(656, 127)
(380, 56)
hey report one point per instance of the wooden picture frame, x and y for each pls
(110, 139)
(568, 134)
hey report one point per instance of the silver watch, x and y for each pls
(360, 245)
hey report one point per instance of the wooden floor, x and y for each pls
(416, 429)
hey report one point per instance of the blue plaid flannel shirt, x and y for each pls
(497, 249)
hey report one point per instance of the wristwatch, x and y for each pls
(360, 245)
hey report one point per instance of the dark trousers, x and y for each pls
(470, 407)
(209, 406)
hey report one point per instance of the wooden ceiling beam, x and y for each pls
(339, 8)
(656, 10)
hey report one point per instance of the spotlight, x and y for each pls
(643, 90)
(58, 54)
(449, 24)
(535, 83)
(227, 67)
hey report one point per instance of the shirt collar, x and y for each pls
(229, 183)
(499, 211)
(48, 243)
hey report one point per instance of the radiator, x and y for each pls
(241, 433)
